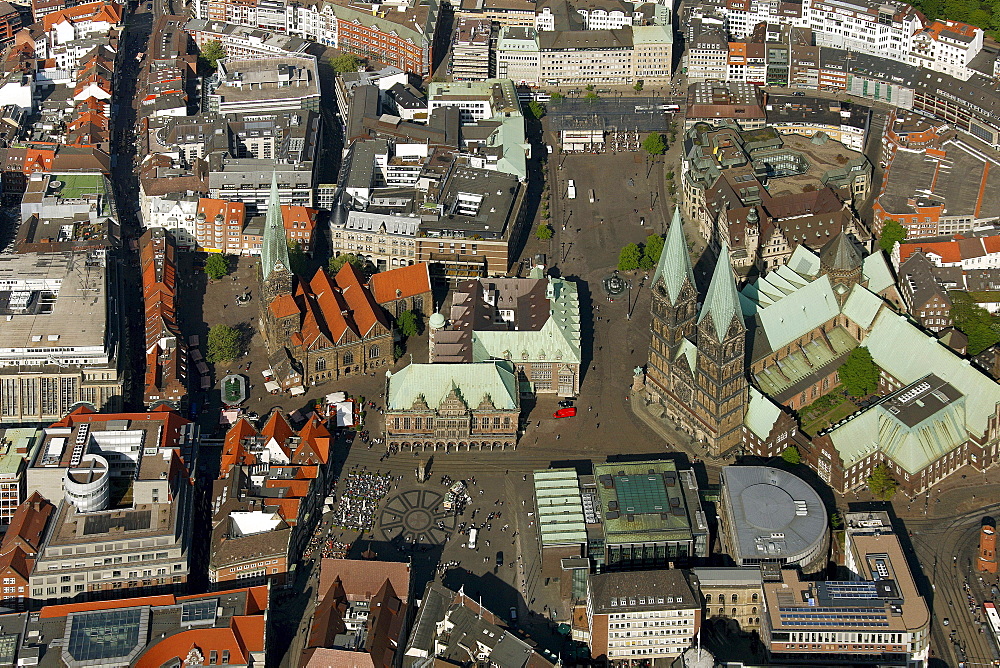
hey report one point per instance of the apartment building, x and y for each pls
(948, 47)
(642, 615)
(222, 226)
(19, 549)
(166, 372)
(472, 50)
(387, 240)
(707, 58)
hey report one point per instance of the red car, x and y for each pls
(565, 412)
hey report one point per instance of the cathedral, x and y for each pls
(318, 329)
(697, 356)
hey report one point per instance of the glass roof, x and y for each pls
(104, 634)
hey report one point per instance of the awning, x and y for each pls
(297, 390)
(272, 386)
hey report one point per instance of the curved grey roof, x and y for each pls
(773, 514)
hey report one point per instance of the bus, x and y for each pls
(473, 535)
(993, 618)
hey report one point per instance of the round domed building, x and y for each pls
(770, 515)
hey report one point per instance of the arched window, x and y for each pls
(753, 611)
(734, 598)
(321, 364)
(754, 598)
(734, 612)
(373, 352)
(348, 358)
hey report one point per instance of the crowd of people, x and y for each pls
(359, 499)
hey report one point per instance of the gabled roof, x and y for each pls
(410, 281)
(363, 308)
(27, 525)
(840, 254)
(233, 452)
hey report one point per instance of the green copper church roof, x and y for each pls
(434, 382)
(722, 300)
(274, 250)
(675, 262)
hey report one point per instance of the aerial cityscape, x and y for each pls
(499, 333)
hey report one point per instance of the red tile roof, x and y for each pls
(28, 524)
(947, 250)
(364, 310)
(362, 579)
(92, 11)
(409, 281)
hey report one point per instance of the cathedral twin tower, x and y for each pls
(697, 357)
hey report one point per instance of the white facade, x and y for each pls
(387, 241)
(176, 213)
(947, 47)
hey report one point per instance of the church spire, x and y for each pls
(675, 261)
(274, 251)
(722, 300)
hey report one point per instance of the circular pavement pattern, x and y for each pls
(416, 516)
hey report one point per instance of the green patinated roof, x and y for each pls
(690, 352)
(761, 415)
(274, 247)
(434, 382)
(808, 359)
(675, 261)
(651, 517)
(862, 306)
(908, 354)
(561, 520)
(876, 272)
(796, 313)
(722, 300)
(558, 340)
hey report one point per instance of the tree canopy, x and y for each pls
(859, 373)
(346, 62)
(407, 323)
(653, 248)
(881, 483)
(223, 344)
(791, 455)
(297, 258)
(983, 14)
(211, 53)
(982, 328)
(638, 86)
(363, 266)
(629, 258)
(544, 232)
(216, 266)
(534, 110)
(654, 144)
(892, 231)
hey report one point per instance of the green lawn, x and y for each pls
(825, 411)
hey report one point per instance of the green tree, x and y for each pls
(346, 62)
(216, 266)
(297, 258)
(223, 344)
(975, 322)
(892, 231)
(544, 232)
(791, 455)
(881, 483)
(653, 248)
(629, 258)
(591, 96)
(406, 323)
(638, 86)
(836, 521)
(556, 97)
(535, 110)
(590, 86)
(211, 53)
(654, 144)
(364, 267)
(859, 373)
(397, 351)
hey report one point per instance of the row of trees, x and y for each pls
(641, 256)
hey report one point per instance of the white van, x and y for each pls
(571, 189)
(473, 535)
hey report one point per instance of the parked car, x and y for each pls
(569, 411)
(566, 403)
